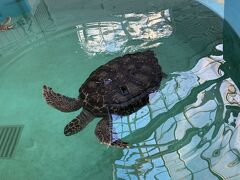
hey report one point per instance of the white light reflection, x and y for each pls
(196, 142)
(115, 36)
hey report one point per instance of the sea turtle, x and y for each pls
(121, 86)
(5, 25)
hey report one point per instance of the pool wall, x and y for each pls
(216, 5)
(232, 14)
(13, 8)
(227, 9)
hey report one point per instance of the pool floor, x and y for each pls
(189, 129)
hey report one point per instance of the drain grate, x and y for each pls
(9, 136)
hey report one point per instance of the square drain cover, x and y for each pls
(9, 136)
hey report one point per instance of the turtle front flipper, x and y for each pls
(61, 102)
(78, 123)
(105, 134)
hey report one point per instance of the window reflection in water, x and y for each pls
(114, 36)
(195, 138)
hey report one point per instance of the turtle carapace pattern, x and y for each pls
(121, 86)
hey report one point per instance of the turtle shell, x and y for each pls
(122, 85)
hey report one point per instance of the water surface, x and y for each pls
(189, 129)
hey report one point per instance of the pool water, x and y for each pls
(189, 129)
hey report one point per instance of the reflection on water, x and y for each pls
(144, 30)
(194, 143)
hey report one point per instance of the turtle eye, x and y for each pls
(124, 90)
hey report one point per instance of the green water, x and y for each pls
(189, 130)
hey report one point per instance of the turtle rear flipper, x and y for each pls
(61, 102)
(105, 134)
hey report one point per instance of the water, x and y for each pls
(189, 130)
